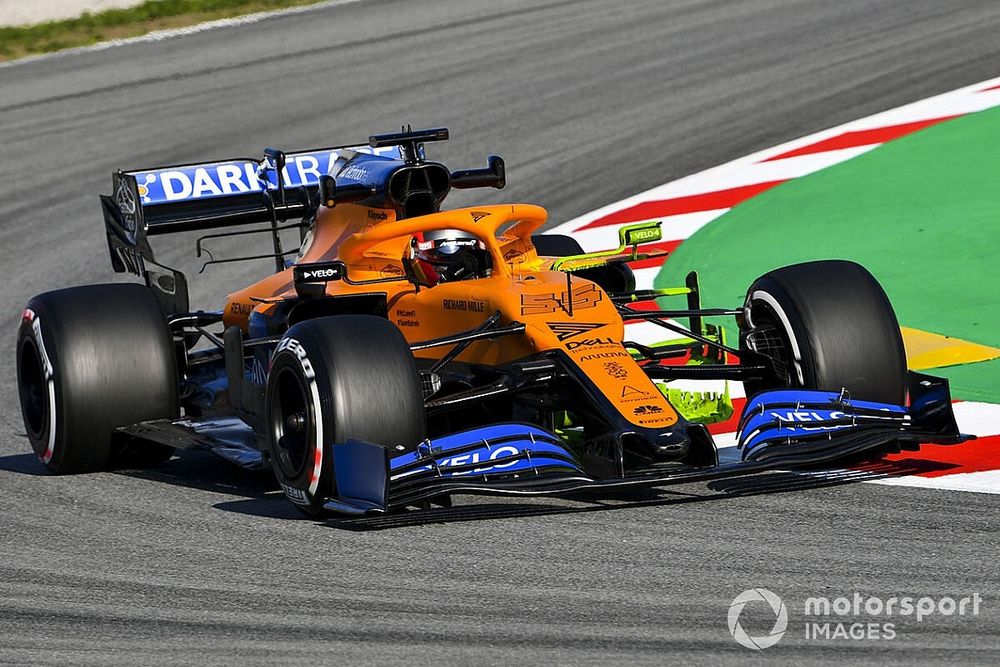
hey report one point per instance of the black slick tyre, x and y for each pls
(91, 359)
(830, 325)
(332, 379)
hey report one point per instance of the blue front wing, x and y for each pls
(777, 429)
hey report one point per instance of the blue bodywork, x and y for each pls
(365, 473)
(498, 449)
(778, 429)
(354, 165)
(779, 416)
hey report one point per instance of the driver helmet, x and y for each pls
(454, 255)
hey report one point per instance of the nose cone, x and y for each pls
(669, 445)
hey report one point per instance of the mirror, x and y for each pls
(327, 188)
(644, 232)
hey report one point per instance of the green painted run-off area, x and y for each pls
(922, 213)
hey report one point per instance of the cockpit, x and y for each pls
(448, 255)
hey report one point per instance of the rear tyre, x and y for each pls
(334, 378)
(91, 359)
(830, 326)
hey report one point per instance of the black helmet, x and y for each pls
(454, 255)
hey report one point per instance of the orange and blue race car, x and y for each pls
(400, 354)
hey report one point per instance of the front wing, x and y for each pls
(784, 429)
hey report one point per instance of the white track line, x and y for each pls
(987, 481)
(755, 168)
(980, 419)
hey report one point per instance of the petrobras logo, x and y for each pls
(220, 179)
(356, 173)
(486, 457)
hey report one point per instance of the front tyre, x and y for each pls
(830, 326)
(333, 379)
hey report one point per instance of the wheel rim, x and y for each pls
(291, 424)
(770, 340)
(32, 390)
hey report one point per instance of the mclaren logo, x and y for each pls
(478, 215)
(565, 330)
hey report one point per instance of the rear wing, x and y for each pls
(388, 172)
(213, 195)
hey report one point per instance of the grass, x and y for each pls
(921, 212)
(19, 41)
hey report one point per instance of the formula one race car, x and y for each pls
(408, 353)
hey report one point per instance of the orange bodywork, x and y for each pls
(522, 288)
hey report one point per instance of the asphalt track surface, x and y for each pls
(589, 102)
